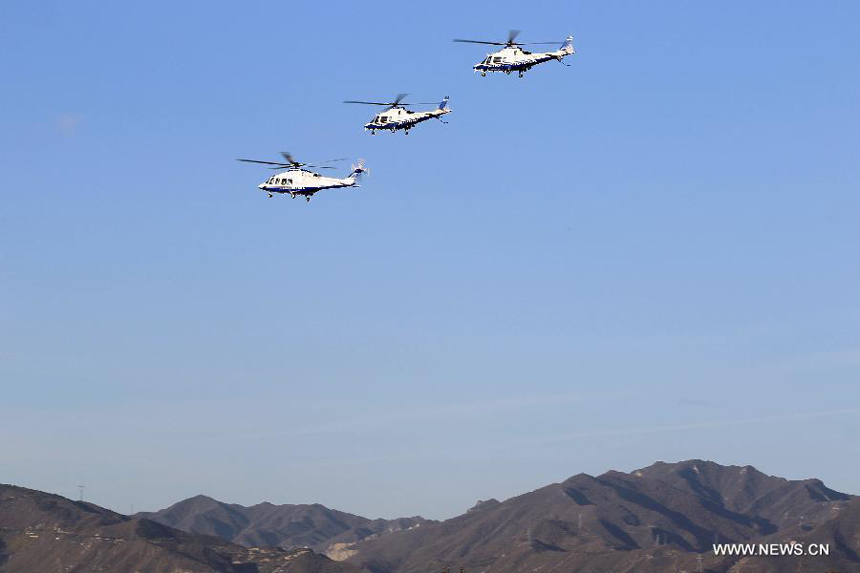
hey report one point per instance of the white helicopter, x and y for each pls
(512, 58)
(298, 181)
(396, 116)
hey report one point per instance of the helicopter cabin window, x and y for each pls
(497, 59)
(383, 119)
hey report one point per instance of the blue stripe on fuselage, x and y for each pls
(395, 125)
(505, 67)
(299, 190)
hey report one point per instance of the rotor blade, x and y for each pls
(263, 162)
(480, 42)
(301, 166)
(512, 35)
(333, 160)
(286, 155)
(399, 98)
(368, 102)
(535, 43)
(419, 103)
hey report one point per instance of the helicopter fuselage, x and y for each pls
(515, 59)
(303, 182)
(397, 118)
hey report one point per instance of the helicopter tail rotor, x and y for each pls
(358, 169)
(568, 46)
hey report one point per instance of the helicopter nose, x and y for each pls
(261, 186)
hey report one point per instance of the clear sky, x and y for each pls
(649, 255)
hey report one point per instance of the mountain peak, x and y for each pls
(196, 504)
(614, 522)
(482, 505)
(201, 498)
(46, 532)
(267, 524)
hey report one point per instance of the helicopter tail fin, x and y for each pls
(357, 170)
(568, 46)
(444, 103)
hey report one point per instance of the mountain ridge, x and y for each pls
(285, 525)
(669, 514)
(46, 532)
(662, 517)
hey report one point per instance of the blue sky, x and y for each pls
(650, 255)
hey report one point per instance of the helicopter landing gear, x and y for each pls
(405, 132)
(270, 195)
(521, 74)
(483, 74)
(373, 132)
(308, 198)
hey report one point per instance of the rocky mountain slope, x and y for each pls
(661, 518)
(265, 524)
(48, 533)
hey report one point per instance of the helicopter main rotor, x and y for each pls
(291, 163)
(398, 102)
(512, 35)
